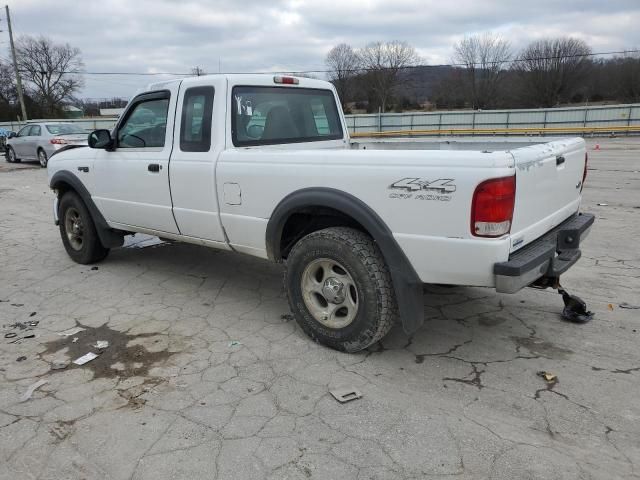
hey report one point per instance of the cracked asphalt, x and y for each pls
(207, 375)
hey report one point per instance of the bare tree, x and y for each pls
(51, 71)
(343, 63)
(7, 84)
(552, 69)
(8, 92)
(198, 71)
(383, 63)
(483, 58)
(627, 76)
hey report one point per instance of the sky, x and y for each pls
(293, 35)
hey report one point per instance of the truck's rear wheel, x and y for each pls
(340, 289)
(78, 231)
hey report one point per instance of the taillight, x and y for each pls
(584, 174)
(58, 141)
(492, 207)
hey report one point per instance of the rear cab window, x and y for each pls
(195, 124)
(281, 115)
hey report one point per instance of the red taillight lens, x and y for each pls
(584, 174)
(492, 207)
(58, 141)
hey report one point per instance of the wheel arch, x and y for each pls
(64, 181)
(350, 209)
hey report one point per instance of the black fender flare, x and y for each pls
(108, 236)
(406, 283)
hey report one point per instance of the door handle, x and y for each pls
(154, 167)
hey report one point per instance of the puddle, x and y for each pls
(542, 348)
(131, 360)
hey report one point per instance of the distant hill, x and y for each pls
(418, 84)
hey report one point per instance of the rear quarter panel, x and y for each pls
(430, 223)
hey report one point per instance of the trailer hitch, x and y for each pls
(575, 309)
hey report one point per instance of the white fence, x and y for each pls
(613, 117)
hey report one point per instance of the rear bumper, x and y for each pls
(550, 255)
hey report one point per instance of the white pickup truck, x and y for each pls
(263, 165)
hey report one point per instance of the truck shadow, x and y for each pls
(474, 324)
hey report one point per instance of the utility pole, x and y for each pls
(15, 66)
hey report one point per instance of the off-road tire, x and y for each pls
(361, 257)
(91, 250)
(9, 156)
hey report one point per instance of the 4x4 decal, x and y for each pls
(424, 189)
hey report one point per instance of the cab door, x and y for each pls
(199, 140)
(132, 179)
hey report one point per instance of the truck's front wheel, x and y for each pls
(340, 289)
(78, 231)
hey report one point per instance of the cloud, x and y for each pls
(252, 35)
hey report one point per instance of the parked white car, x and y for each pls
(264, 165)
(38, 141)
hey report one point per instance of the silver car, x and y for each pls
(38, 141)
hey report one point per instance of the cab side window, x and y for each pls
(195, 125)
(145, 126)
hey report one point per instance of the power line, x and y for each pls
(364, 69)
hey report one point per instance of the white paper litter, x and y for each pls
(101, 344)
(32, 388)
(71, 331)
(87, 357)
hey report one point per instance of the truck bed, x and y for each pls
(491, 144)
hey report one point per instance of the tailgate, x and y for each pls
(548, 187)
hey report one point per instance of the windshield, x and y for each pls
(277, 115)
(64, 129)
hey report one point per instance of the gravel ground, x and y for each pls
(207, 376)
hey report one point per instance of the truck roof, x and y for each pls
(262, 79)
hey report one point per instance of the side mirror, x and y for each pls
(100, 139)
(12, 134)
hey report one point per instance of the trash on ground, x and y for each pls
(71, 331)
(21, 359)
(610, 307)
(234, 343)
(33, 314)
(10, 335)
(603, 204)
(59, 365)
(141, 240)
(33, 323)
(75, 339)
(344, 395)
(629, 306)
(101, 344)
(94, 268)
(20, 325)
(29, 336)
(86, 358)
(548, 377)
(32, 388)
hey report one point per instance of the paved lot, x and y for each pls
(207, 376)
